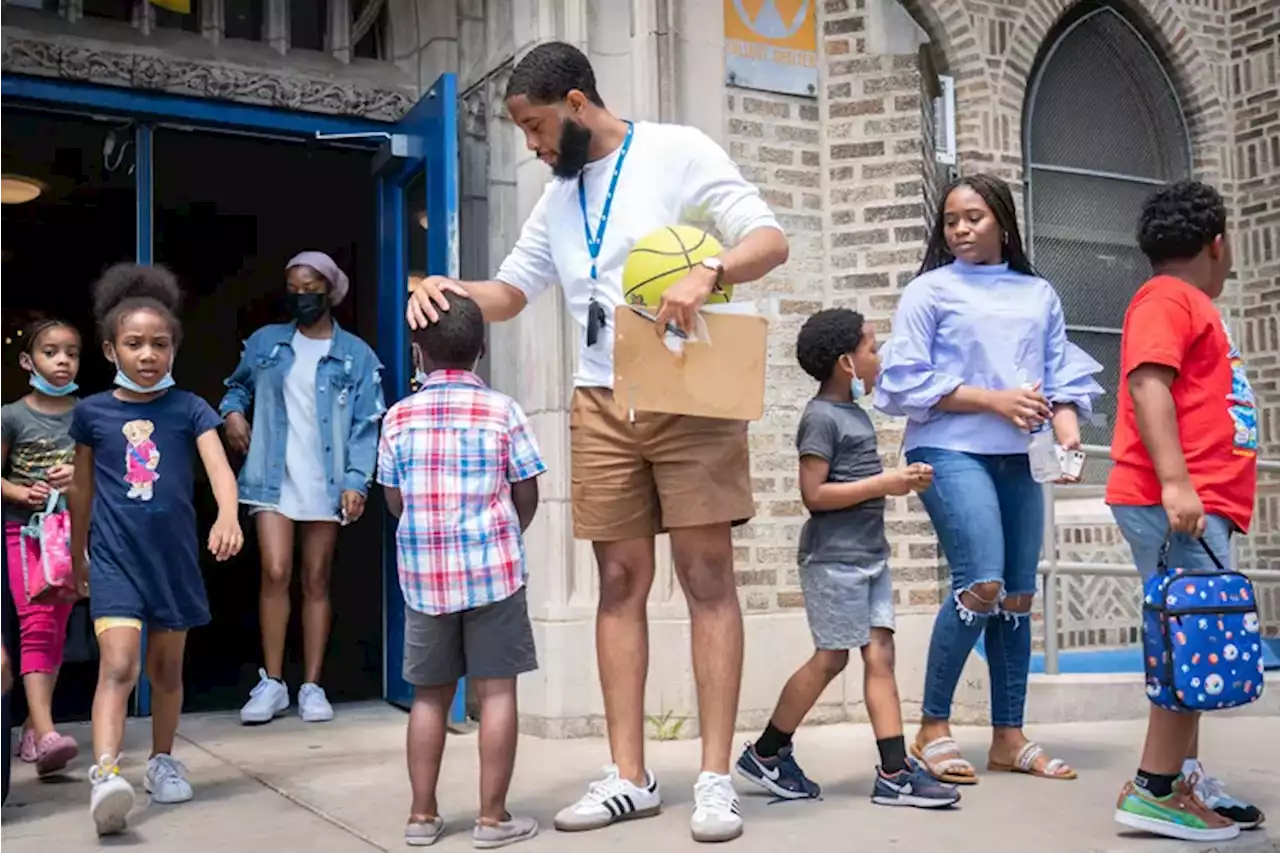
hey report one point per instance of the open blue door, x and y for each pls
(417, 173)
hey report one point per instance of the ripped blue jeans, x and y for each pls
(989, 516)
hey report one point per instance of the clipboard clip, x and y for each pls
(672, 328)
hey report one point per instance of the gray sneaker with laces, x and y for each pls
(166, 780)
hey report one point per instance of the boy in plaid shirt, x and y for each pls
(459, 466)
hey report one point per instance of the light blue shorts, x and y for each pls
(1145, 528)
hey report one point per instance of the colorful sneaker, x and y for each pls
(268, 699)
(609, 800)
(717, 814)
(1213, 793)
(313, 704)
(112, 797)
(54, 752)
(913, 787)
(780, 775)
(166, 780)
(27, 750)
(1180, 815)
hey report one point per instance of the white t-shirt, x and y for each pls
(673, 175)
(304, 494)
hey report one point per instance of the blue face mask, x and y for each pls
(163, 384)
(44, 386)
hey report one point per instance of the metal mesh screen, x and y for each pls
(1083, 232)
(1103, 103)
(1105, 130)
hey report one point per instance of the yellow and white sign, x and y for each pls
(772, 45)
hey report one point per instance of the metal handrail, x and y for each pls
(1050, 567)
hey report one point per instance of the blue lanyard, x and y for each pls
(594, 243)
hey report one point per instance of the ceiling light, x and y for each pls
(16, 189)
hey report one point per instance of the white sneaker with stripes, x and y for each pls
(609, 800)
(717, 815)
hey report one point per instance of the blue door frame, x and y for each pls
(428, 146)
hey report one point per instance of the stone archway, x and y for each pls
(992, 55)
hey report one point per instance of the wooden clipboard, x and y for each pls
(722, 378)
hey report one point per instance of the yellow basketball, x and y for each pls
(660, 259)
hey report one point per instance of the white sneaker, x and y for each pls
(166, 780)
(313, 704)
(112, 797)
(611, 799)
(267, 700)
(717, 816)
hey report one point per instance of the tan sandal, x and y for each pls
(1031, 752)
(942, 758)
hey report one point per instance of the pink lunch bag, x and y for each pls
(46, 555)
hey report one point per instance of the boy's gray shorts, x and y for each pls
(844, 602)
(493, 641)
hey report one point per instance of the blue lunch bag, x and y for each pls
(1201, 637)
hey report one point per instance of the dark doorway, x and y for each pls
(230, 211)
(55, 246)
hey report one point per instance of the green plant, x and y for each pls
(667, 726)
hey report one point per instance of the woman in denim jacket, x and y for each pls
(316, 395)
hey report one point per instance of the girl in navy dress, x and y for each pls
(133, 527)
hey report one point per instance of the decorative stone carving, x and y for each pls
(285, 88)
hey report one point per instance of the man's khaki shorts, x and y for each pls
(636, 477)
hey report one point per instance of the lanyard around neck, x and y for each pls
(594, 243)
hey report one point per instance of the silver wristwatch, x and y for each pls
(716, 266)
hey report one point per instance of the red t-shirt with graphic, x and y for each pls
(1171, 323)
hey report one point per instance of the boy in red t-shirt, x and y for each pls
(1185, 450)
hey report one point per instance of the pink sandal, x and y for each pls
(27, 746)
(54, 752)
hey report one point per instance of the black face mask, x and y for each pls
(306, 308)
(575, 140)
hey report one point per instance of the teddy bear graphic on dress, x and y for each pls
(142, 457)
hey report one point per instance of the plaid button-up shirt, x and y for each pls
(453, 450)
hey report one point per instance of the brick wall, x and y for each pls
(1254, 92)
(775, 140)
(845, 173)
(875, 223)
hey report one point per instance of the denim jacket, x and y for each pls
(349, 404)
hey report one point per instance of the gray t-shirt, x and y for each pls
(843, 435)
(36, 442)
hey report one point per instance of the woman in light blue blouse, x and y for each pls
(978, 357)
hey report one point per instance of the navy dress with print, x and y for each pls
(144, 559)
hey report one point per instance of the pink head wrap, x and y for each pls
(325, 265)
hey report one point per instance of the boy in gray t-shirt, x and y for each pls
(848, 588)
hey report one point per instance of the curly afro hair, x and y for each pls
(825, 337)
(125, 288)
(1180, 220)
(549, 72)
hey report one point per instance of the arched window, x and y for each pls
(1103, 128)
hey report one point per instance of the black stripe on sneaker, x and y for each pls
(653, 786)
(733, 807)
(620, 805)
(613, 811)
(631, 806)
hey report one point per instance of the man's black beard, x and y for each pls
(575, 140)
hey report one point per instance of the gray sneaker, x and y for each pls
(423, 833)
(513, 830)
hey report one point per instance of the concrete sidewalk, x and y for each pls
(343, 787)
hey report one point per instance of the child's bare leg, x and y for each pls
(428, 721)
(805, 686)
(499, 733)
(880, 687)
(119, 663)
(164, 667)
